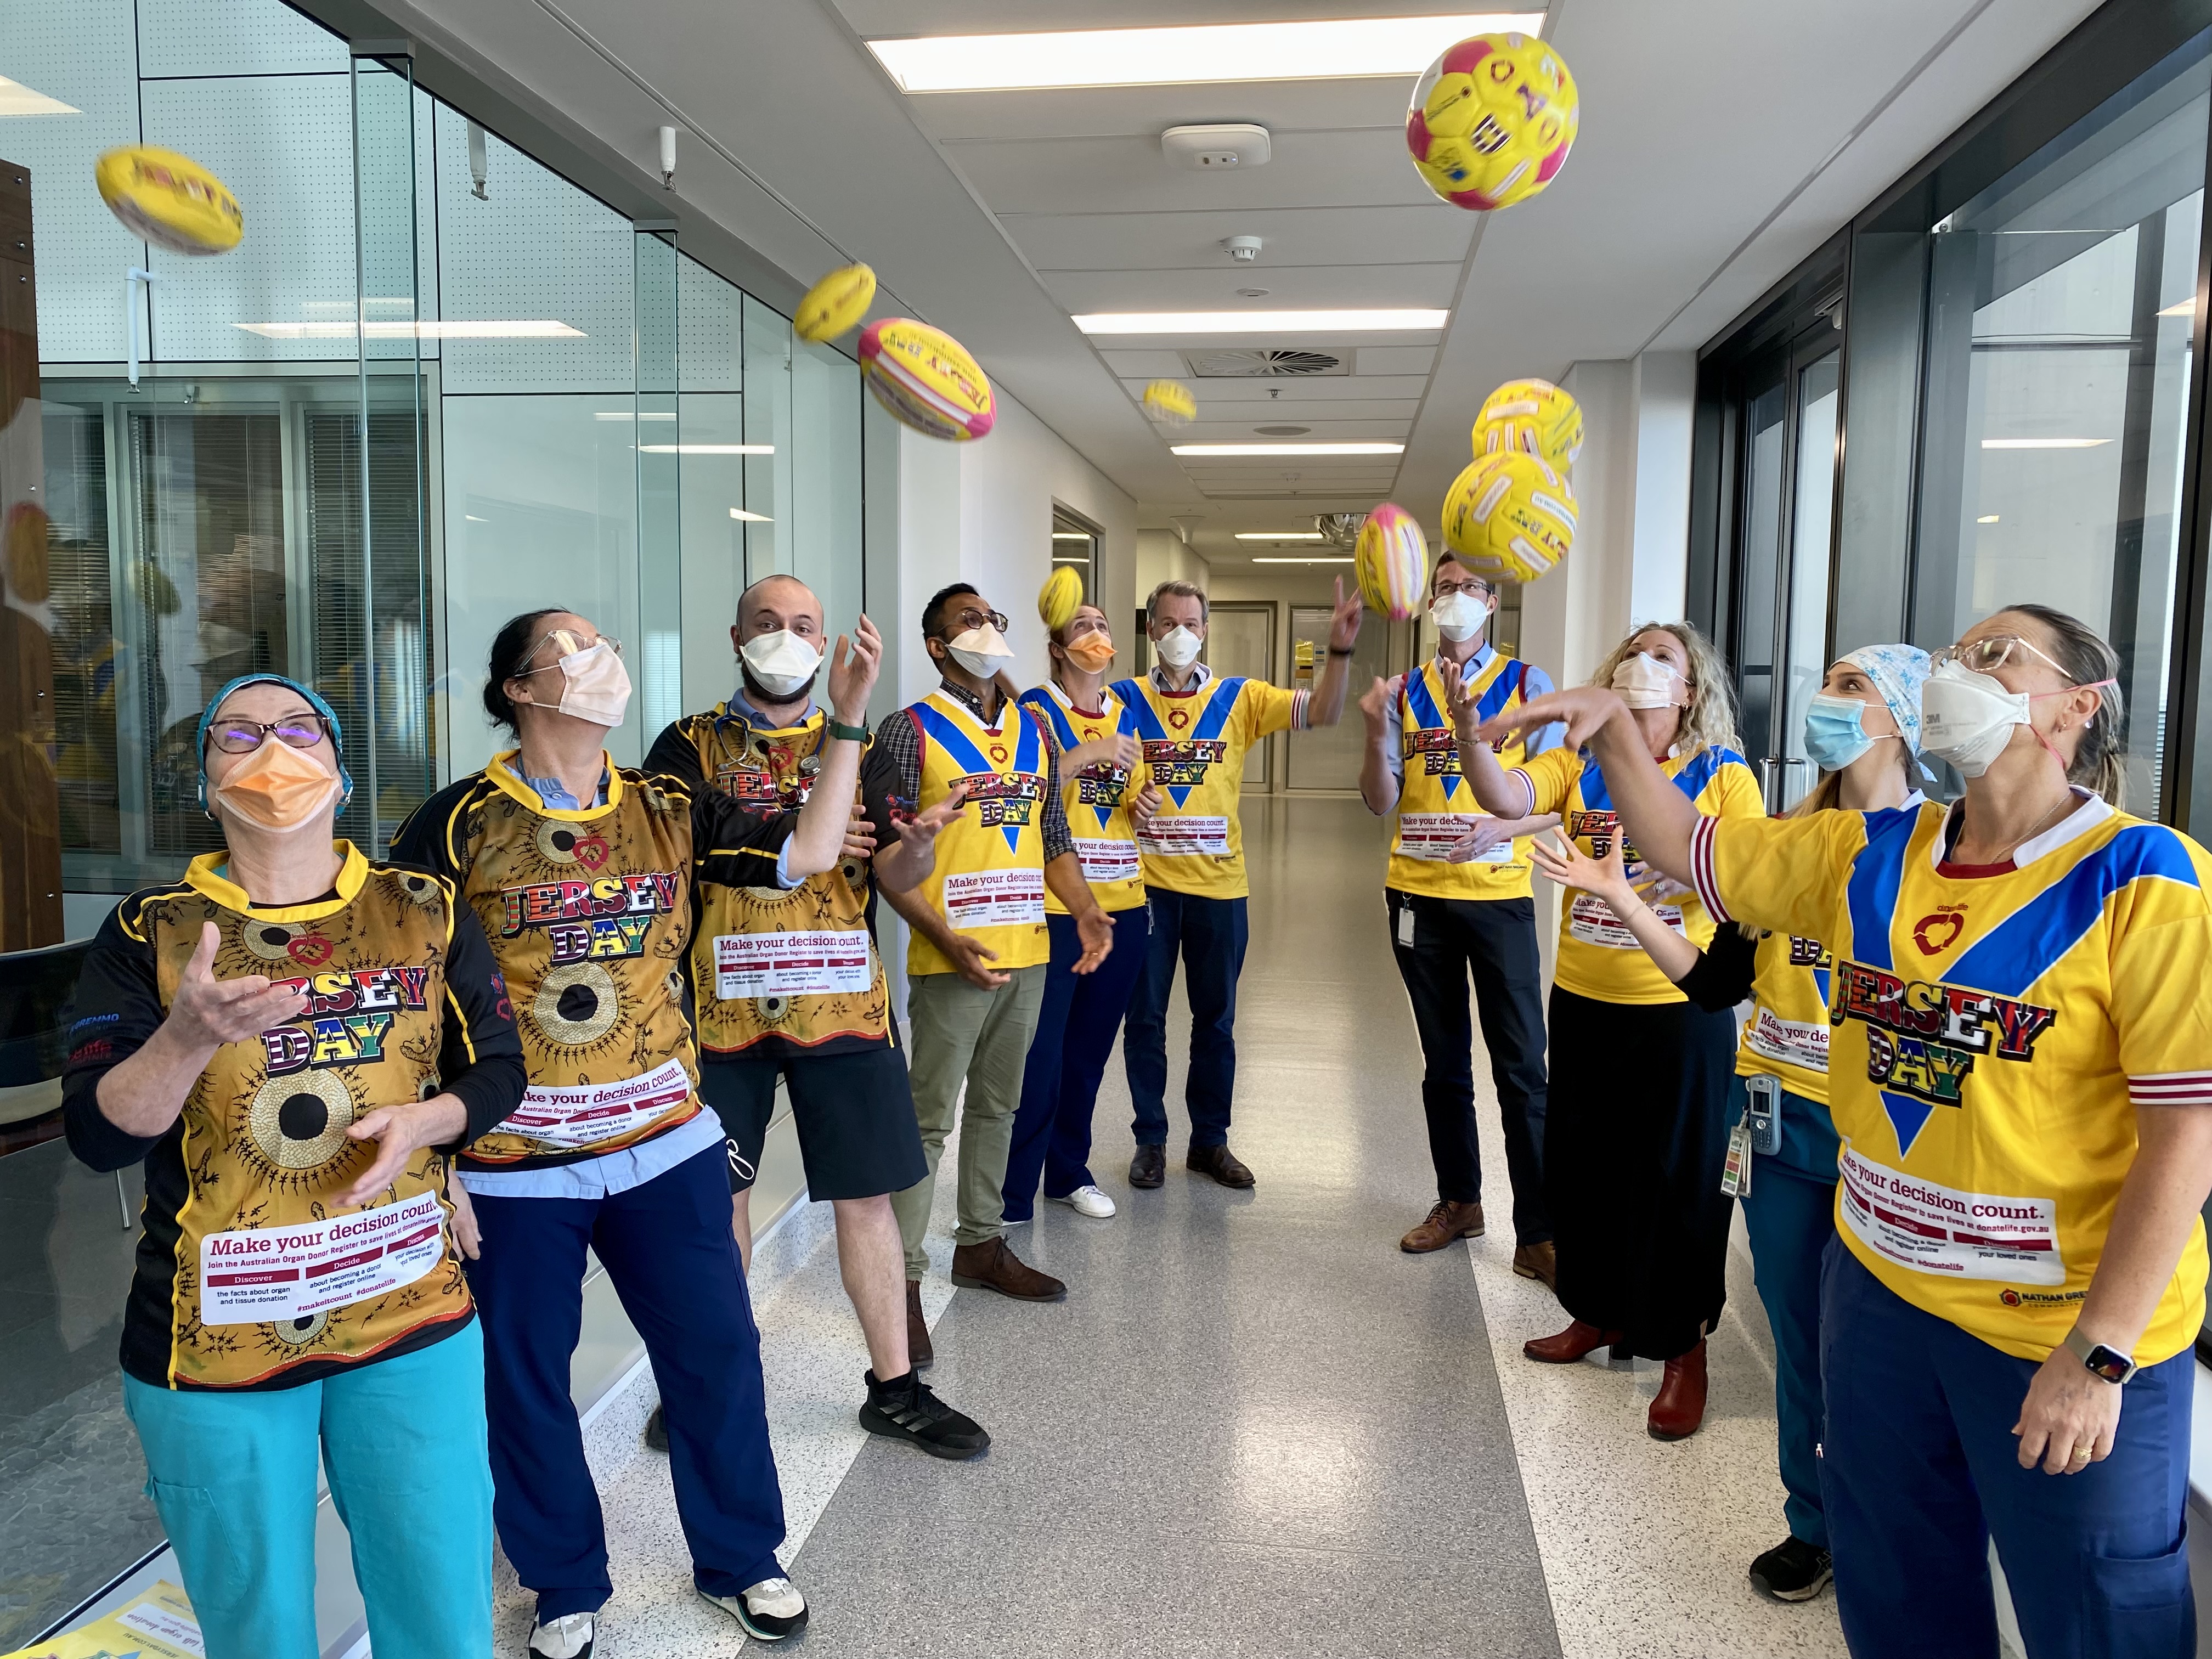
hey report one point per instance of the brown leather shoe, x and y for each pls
(1578, 1341)
(1449, 1222)
(1149, 1167)
(991, 1266)
(918, 1351)
(1223, 1165)
(1540, 1262)
(1680, 1410)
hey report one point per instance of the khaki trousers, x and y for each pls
(962, 1033)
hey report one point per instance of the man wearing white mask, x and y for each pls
(1196, 730)
(976, 959)
(1461, 907)
(788, 985)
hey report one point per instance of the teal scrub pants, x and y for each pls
(232, 1476)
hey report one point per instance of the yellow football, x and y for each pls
(169, 200)
(926, 380)
(1535, 417)
(834, 304)
(1493, 120)
(1392, 560)
(1170, 403)
(1510, 513)
(1059, 597)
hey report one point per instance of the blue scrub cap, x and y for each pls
(312, 700)
(1898, 672)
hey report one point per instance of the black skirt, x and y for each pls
(1634, 1142)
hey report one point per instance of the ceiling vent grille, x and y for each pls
(1265, 363)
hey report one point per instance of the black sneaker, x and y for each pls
(769, 1611)
(911, 1413)
(656, 1429)
(1793, 1571)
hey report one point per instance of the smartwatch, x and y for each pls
(837, 728)
(2110, 1363)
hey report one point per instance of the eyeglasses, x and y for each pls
(1986, 656)
(301, 731)
(1475, 586)
(974, 619)
(570, 645)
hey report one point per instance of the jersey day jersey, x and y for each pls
(989, 880)
(1436, 804)
(1195, 741)
(1096, 799)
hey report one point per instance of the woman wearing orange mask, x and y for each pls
(1100, 763)
(295, 1041)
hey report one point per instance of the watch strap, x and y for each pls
(837, 728)
(2100, 1360)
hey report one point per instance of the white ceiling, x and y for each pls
(1720, 141)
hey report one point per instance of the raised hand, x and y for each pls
(920, 830)
(1461, 705)
(207, 1012)
(1117, 749)
(1583, 708)
(1376, 701)
(1566, 864)
(853, 668)
(1344, 619)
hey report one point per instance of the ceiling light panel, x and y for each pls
(16, 98)
(2043, 443)
(1401, 321)
(1327, 50)
(1269, 451)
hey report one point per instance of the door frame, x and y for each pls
(1269, 750)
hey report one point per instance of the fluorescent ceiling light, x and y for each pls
(16, 98)
(1988, 518)
(1309, 559)
(472, 519)
(1324, 50)
(706, 449)
(1071, 534)
(1279, 535)
(1288, 449)
(1259, 322)
(750, 517)
(538, 329)
(626, 415)
(1061, 560)
(2043, 443)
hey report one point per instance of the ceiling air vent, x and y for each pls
(1264, 363)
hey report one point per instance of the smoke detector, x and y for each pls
(1242, 249)
(1235, 146)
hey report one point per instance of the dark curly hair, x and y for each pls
(510, 649)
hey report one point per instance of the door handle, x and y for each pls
(1767, 765)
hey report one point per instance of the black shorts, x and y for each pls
(854, 1113)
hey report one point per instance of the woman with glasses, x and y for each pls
(2021, 1077)
(582, 873)
(294, 1040)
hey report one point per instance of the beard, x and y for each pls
(761, 697)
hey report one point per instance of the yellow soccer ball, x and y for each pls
(926, 380)
(834, 304)
(1170, 403)
(1534, 417)
(1392, 561)
(1512, 514)
(1492, 120)
(169, 200)
(1058, 600)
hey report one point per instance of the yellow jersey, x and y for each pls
(1991, 1035)
(1195, 741)
(1436, 805)
(1787, 1035)
(1598, 957)
(989, 882)
(1097, 812)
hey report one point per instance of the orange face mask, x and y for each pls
(276, 786)
(1091, 653)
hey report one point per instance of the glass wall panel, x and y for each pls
(710, 329)
(825, 474)
(1075, 547)
(769, 527)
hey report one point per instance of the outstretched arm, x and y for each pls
(1327, 703)
(818, 840)
(1657, 817)
(1498, 794)
(1379, 784)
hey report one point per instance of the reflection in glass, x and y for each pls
(1812, 512)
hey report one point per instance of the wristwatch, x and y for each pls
(2108, 1363)
(837, 728)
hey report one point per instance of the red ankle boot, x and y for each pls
(1578, 1341)
(1680, 1410)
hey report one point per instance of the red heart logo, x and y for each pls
(1936, 934)
(310, 951)
(592, 852)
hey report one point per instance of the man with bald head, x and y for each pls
(789, 986)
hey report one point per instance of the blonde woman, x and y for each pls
(1637, 1130)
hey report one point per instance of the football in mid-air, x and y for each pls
(1170, 403)
(1511, 513)
(1492, 120)
(1392, 561)
(1534, 417)
(926, 380)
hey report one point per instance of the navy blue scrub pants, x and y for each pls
(1077, 1023)
(1919, 1471)
(666, 1245)
(1209, 934)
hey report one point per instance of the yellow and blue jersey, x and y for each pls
(1195, 741)
(1096, 799)
(1435, 803)
(1598, 957)
(1991, 1034)
(989, 880)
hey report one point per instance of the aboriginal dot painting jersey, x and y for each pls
(250, 1275)
(1096, 798)
(1991, 1034)
(588, 910)
(1599, 958)
(1436, 804)
(1195, 741)
(779, 970)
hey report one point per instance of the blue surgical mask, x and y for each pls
(1835, 733)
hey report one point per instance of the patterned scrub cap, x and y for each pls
(1898, 672)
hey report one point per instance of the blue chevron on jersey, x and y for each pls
(1219, 705)
(1029, 745)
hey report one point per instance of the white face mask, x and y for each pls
(1967, 719)
(1644, 682)
(782, 662)
(980, 650)
(594, 685)
(1459, 616)
(1178, 648)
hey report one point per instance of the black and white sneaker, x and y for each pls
(656, 1429)
(910, 1411)
(569, 1636)
(1793, 1571)
(769, 1611)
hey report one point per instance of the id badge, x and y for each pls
(1405, 924)
(1764, 1114)
(1735, 1172)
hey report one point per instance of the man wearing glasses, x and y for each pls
(976, 958)
(1461, 905)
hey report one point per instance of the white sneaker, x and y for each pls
(569, 1636)
(1087, 1201)
(769, 1611)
